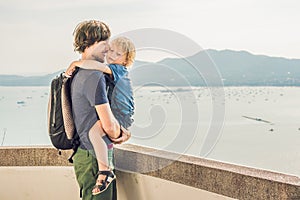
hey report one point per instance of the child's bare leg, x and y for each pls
(96, 133)
(105, 175)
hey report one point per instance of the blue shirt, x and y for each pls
(120, 95)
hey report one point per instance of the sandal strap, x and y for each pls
(100, 187)
(108, 173)
(104, 172)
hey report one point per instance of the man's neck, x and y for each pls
(86, 56)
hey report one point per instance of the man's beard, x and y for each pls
(99, 59)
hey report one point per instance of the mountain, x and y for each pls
(231, 68)
(244, 68)
(205, 68)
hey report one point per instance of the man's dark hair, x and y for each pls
(87, 33)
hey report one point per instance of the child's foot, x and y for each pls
(104, 179)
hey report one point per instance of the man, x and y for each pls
(90, 103)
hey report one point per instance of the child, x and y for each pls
(119, 57)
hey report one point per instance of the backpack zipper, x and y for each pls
(54, 111)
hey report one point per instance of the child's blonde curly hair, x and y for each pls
(127, 46)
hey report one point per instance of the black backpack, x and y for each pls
(61, 125)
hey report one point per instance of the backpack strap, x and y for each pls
(75, 144)
(70, 159)
(75, 141)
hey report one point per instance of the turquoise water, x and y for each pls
(179, 119)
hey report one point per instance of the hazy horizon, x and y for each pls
(158, 57)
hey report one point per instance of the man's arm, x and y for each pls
(88, 64)
(109, 123)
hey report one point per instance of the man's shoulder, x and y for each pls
(89, 72)
(87, 78)
(88, 75)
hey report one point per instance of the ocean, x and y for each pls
(252, 126)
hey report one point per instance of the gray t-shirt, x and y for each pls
(88, 89)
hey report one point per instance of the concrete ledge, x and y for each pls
(221, 178)
(33, 156)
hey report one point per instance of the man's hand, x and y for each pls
(125, 135)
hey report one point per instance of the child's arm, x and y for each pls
(88, 64)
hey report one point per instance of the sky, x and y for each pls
(36, 35)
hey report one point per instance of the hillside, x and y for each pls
(210, 67)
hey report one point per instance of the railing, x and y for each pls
(200, 177)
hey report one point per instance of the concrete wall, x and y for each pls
(143, 173)
(48, 183)
(134, 186)
(38, 183)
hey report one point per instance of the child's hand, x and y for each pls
(71, 68)
(125, 135)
